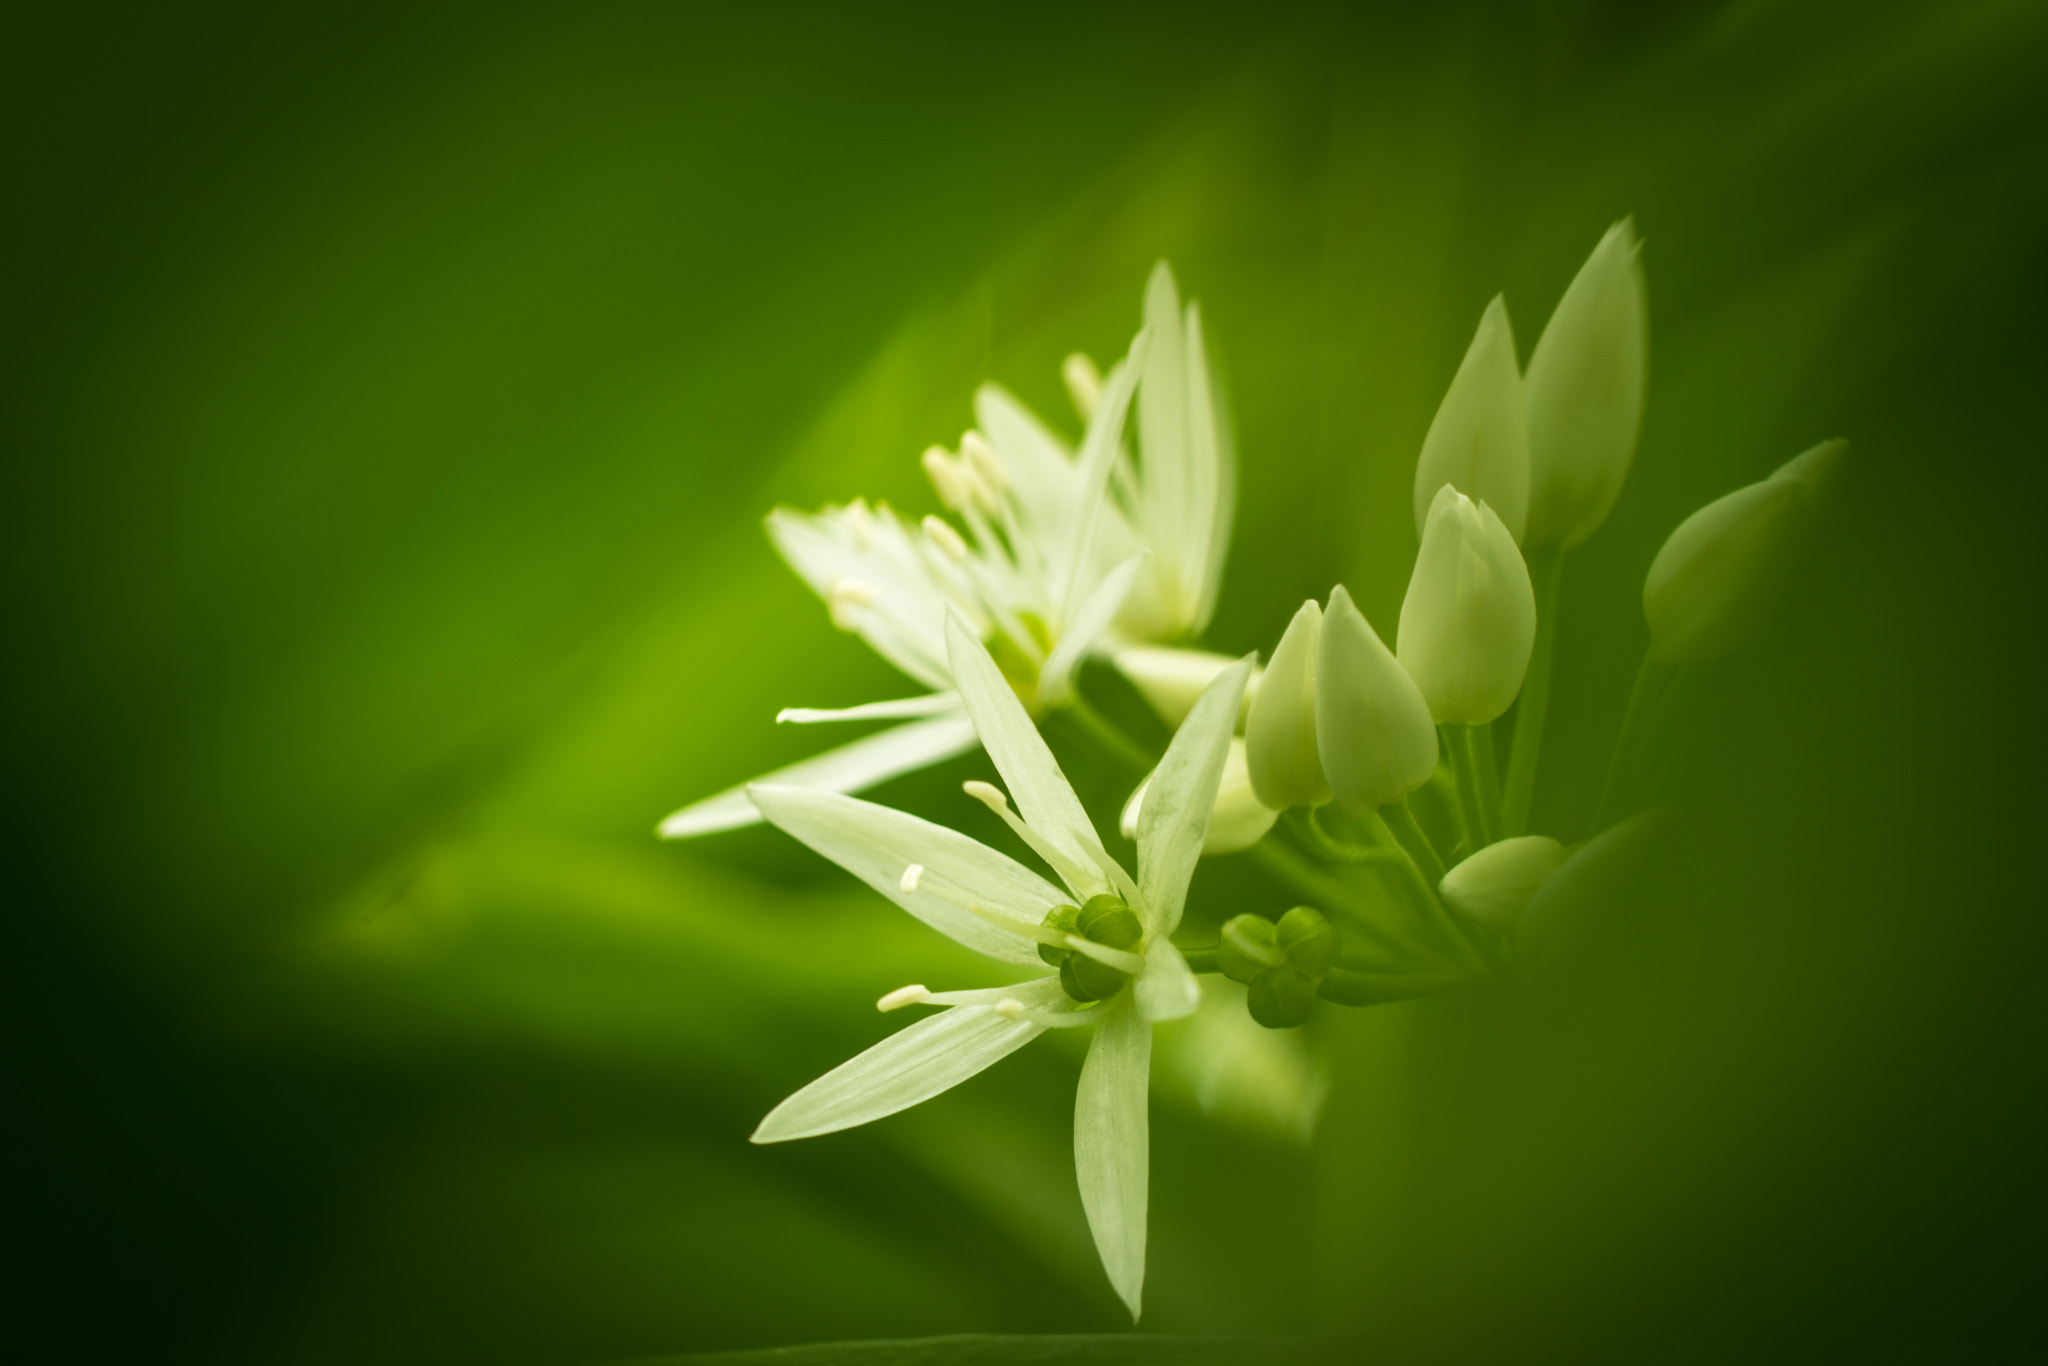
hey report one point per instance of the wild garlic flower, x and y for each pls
(1105, 930)
(1064, 553)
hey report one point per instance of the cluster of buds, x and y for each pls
(1280, 964)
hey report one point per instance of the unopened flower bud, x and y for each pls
(1373, 728)
(1469, 620)
(1479, 440)
(1280, 734)
(1308, 939)
(1584, 392)
(1493, 885)
(1281, 998)
(1717, 574)
(1237, 820)
(1172, 679)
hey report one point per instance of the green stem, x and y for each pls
(1400, 822)
(1341, 986)
(1343, 851)
(1202, 959)
(1546, 575)
(1489, 778)
(1479, 822)
(1288, 867)
(1651, 681)
(1109, 738)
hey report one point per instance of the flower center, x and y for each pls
(1104, 920)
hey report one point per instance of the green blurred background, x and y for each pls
(392, 394)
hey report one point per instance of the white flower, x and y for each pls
(994, 905)
(1468, 622)
(1064, 553)
(1479, 440)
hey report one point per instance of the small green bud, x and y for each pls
(1309, 940)
(1281, 998)
(1109, 922)
(1084, 979)
(1246, 948)
(1065, 919)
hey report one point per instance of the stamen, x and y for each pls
(1075, 874)
(946, 538)
(862, 523)
(845, 596)
(983, 460)
(911, 876)
(901, 997)
(1012, 1009)
(988, 794)
(948, 476)
(1037, 933)
(1104, 954)
(1084, 384)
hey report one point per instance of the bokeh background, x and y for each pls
(392, 394)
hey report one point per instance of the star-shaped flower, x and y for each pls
(1064, 553)
(1107, 931)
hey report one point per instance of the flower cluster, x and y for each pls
(1363, 777)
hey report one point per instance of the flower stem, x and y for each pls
(1400, 823)
(1481, 824)
(1546, 571)
(1342, 850)
(1651, 681)
(1396, 824)
(1290, 868)
(1109, 738)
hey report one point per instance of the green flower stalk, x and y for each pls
(1584, 391)
(1718, 573)
(1479, 440)
(1117, 925)
(1493, 886)
(1468, 621)
(1372, 724)
(1285, 768)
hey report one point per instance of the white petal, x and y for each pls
(1166, 989)
(1172, 678)
(1174, 818)
(909, 1066)
(1074, 570)
(1112, 1147)
(1216, 444)
(1167, 513)
(876, 843)
(1042, 470)
(931, 704)
(1478, 442)
(1084, 628)
(1044, 798)
(850, 768)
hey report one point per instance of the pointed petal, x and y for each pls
(931, 704)
(1478, 442)
(1174, 818)
(1112, 1147)
(1172, 678)
(1075, 569)
(1166, 989)
(909, 1066)
(1215, 449)
(1084, 628)
(877, 843)
(1165, 472)
(850, 768)
(1044, 798)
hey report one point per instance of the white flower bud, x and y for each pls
(1469, 620)
(1584, 392)
(1373, 728)
(1171, 679)
(1237, 821)
(1715, 576)
(1479, 441)
(1494, 884)
(1280, 734)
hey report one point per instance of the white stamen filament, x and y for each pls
(1084, 384)
(911, 875)
(1104, 954)
(1036, 933)
(901, 997)
(945, 538)
(982, 459)
(1075, 874)
(1012, 1009)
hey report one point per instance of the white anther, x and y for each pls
(845, 596)
(948, 476)
(911, 876)
(1084, 384)
(983, 460)
(945, 538)
(988, 794)
(1010, 1008)
(903, 996)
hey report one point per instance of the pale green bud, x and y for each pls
(1373, 728)
(1308, 939)
(1237, 820)
(1280, 734)
(1469, 620)
(1494, 884)
(1584, 392)
(1716, 575)
(1281, 998)
(1479, 442)
(1172, 679)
